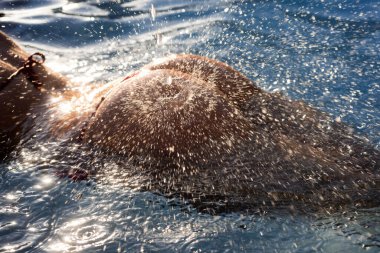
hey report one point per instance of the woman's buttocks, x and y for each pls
(165, 112)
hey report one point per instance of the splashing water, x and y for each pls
(326, 53)
(153, 12)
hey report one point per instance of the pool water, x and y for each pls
(326, 53)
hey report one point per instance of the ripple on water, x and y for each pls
(19, 230)
(82, 234)
(328, 57)
(25, 214)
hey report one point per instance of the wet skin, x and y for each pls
(205, 132)
(198, 129)
(19, 98)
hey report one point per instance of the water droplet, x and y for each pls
(153, 13)
(169, 80)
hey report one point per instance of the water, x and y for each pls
(324, 52)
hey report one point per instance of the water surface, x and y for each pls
(324, 52)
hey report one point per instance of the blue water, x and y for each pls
(324, 52)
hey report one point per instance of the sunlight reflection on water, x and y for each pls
(82, 233)
(318, 52)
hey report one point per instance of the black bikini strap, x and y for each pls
(28, 71)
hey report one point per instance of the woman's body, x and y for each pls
(197, 128)
(18, 97)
